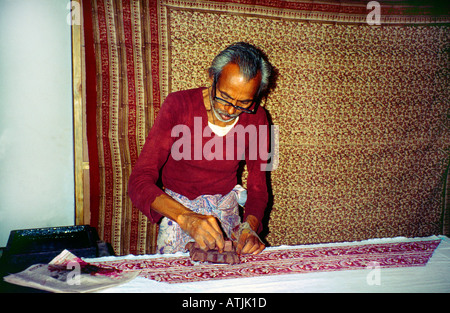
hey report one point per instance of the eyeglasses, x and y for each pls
(250, 109)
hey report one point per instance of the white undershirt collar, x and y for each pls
(222, 130)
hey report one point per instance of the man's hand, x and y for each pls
(248, 241)
(204, 229)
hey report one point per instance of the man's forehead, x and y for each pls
(233, 82)
(233, 69)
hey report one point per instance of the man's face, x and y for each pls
(234, 88)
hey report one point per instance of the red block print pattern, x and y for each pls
(283, 261)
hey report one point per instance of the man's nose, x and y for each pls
(231, 110)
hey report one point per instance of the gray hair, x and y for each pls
(250, 60)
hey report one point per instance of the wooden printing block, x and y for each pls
(228, 256)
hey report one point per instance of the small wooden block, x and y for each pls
(228, 256)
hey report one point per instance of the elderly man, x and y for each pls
(219, 125)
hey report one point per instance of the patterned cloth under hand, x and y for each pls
(172, 238)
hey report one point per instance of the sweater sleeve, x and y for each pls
(142, 185)
(257, 197)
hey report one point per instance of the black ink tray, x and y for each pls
(40, 245)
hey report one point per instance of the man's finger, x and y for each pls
(217, 234)
(205, 241)
(241, 243)
(249, 244)
(209, 235)
(259, 249)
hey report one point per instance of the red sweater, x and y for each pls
(200, 173)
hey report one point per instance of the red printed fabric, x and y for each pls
(284, 261)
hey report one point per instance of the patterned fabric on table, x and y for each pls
(284, 261)
(171, 238)
(362, 110)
